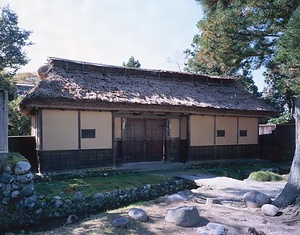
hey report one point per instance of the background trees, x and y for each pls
(12, 56)
(12, 41)
(132, 63)
(288, 62)
(239, 36)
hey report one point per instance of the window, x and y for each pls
(88, 133)
(220, 133)
(243, 133)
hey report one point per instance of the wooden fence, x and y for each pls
(26, 146)
(277, 143)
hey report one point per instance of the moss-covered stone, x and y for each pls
(11, 160)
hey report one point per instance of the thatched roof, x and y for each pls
(78, 85)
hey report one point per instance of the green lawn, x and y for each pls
(94, 184)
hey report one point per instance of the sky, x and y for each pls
(156, 32)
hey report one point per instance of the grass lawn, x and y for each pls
(94, 184)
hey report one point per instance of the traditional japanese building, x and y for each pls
(92, 115)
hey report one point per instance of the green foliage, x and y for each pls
(132, 63)
(12, 41)
(265, 176)
(240, 34)
(283, 119)
(7, 84)
(288, 51)
(237, 36)
(12, 159)
(19, 123)
(283, 73)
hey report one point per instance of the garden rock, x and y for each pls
(121, 222)
(180, 196)
(15, 194)
(138, 214)
(78, 196)
(72, 219)
(27, 190)
(269, 210)
(30, 202)
(99, 197)
(22, 167)
(212, 229)
(25, 178)
(186, 216)
(7, 178)
(256, 199)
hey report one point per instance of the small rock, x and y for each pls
(177, 197)
(26, 178)
(217, 229)
(185, 216)
(212, 229)
(138, 214)
(58, 203)
(269, 209)
(8, 169)
(203, 231)
(15, 193)
(16, 185)
(99, 197)
(256, 199)
(30, 202)
(121, 222)
(5, 200)
(7, 178)
(210, 201)
(22, 167)
(78, 195)
(72, 219)
(27, 190)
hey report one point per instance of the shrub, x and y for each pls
(265, 176)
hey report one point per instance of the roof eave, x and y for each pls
(134, 107)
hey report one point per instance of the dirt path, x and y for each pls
(231, 213)
(232, 188)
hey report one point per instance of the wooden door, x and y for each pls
(133, 141)
(143, 140)
(155, 139)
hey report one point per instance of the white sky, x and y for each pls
(155, 32)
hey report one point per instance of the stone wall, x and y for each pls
(21, 206)
(17, 193)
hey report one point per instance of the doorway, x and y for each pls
(143, 140)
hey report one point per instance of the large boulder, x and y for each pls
(186, 216)
(256, 199)
(138, 214)
(121, 222)
(269, 209)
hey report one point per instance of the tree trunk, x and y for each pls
(290, 194)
